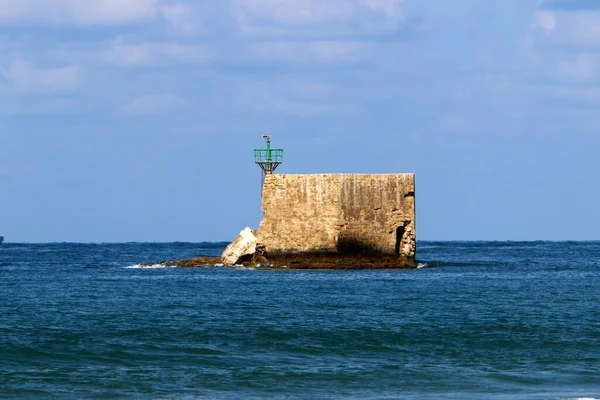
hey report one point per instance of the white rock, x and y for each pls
(243, 245)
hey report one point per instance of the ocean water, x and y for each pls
(478, 320)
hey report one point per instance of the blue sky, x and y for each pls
(135, 120)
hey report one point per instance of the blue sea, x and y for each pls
(477, 320)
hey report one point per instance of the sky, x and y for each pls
(136, 120)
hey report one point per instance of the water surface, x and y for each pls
(481, 320)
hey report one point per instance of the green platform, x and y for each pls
(268, 159)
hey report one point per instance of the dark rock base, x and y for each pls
(306, 261)
(340, 261)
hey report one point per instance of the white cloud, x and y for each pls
(295, 12)
(26, 76)
(576, 28)
(583, 67)
(78, 12)
(309, 52)
(391, 8)
(574, 94)
(298, 97)
(153, 104)
(143, 54)
(544, 20)
(183, 18)
(565, 44)
(317, 17)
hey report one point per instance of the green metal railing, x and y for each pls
(268, 159)
(268, 155)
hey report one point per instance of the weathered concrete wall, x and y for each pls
(363, 213)
(301, 213)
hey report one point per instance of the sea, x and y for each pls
(476, 320)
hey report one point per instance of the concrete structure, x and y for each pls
(339, 213)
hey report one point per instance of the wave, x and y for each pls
(577, 398)
(149, 266)
(422, 265)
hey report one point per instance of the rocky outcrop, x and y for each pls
(339, 261)
(196, 262)
(243, 245)
(329, 221)
(299, 261)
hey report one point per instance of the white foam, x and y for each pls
(421, 265)
(579, 398)
(151, 266)
(239, 266)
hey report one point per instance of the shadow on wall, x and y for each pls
(354, 246)
(399, 236)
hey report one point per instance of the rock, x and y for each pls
(243, 245)
(191, 263)
(195, 262)
(339, 261)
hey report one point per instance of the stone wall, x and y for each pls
(349, 213)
